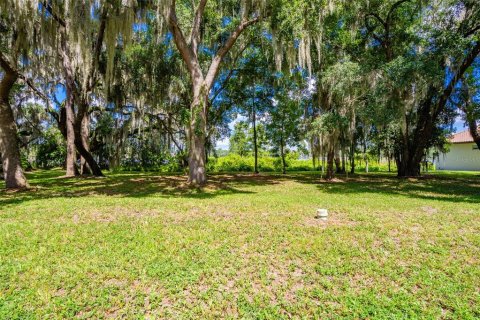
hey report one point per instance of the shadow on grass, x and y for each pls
(51, 184)
(442, 187)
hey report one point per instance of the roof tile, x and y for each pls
(462, 137)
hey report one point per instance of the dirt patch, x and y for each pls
(60, 293)
(334, 180)
(429, 210)
(221, 216)
(330, 222)
(115, 283)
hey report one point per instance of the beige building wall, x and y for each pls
(462, 157)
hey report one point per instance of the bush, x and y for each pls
(151, 161)
(236, 163)
(52, 149)
(301, 165)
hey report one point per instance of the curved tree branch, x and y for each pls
(195, 33)
(214, 67)
(188, 56)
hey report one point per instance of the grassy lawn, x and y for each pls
(146, 246)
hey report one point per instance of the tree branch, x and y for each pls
(377, 17)
(55, 17)
(466, 63)
(472, 31)
(10, 69)
(97, 48)
(394, 7)
(195, 34)
(186, 52)
(230, 73)
(214, 67)
(5, 64)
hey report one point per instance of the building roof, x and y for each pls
(462, 137)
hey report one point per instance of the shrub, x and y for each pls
(51, 150)
(301, 165)
(236, 163)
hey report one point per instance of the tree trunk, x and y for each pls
(314, 158)
(85, 132)
(338, 168)
(81, 139)
(330, 160)
(411, 148)
(62, 126)
(408, 168)
(197, 133)
(323, 162)
(69, 112)
(255, 146)
(71, 169)
(12, 167)
(365, 157)
(169, 134)
(352, 159)
(96, 171)
(282, 154)
(472, 125)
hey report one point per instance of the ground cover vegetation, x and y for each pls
(143, 245)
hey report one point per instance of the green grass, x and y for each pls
(147, 246)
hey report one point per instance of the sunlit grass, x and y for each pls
(143, 245)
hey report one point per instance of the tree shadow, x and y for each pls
(440, 187)
(51, 184)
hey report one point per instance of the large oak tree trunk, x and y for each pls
(197, 174)
(411, 147)
(81, 140)
(85, 132)
(62, 126)
(96, 171)
(71, 169)
(69, 101)
(12, 169)
(74, 124)
(408, 168)
(409, 158)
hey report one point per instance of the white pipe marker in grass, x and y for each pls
(322, 214)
